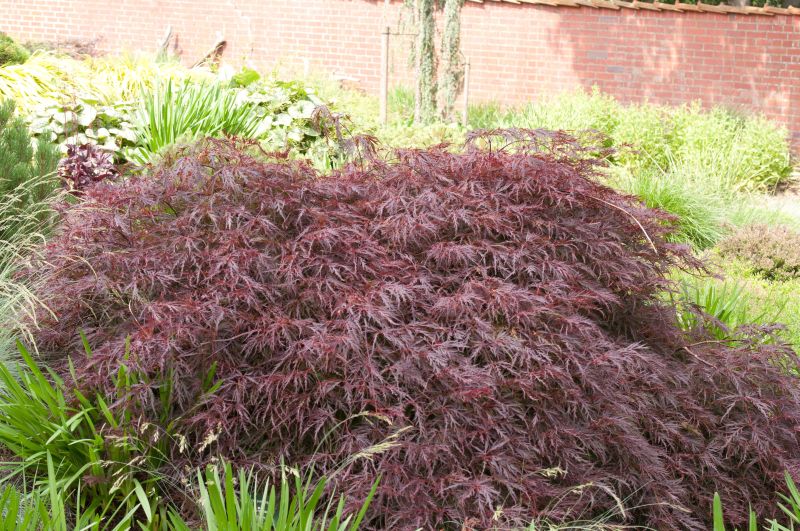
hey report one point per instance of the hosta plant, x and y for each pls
(285, 109)
(497, 311)
(85, 121)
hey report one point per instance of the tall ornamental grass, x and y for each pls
(28, 191)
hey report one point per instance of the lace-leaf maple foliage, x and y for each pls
(499, 306)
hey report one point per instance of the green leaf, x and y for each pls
(246, 77)
(302, 109)
(283, 119)
(87, 116)
(719, 523)
(144, 501)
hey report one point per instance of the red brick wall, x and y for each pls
(518, 52)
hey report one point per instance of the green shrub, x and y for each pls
(717, 148)
(27, 194)
(284, 110)
(642, 135)
(11, 53)
(26, 175)
(762, 296)
(735, 153)
(401, 104)
(420, 136)
(572, 111)
(772, 252)
(85, 120)
(277, 113)
(488, 115)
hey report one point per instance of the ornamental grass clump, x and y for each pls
(496, 314)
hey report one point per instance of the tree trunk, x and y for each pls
(425, 106)
(453, 66)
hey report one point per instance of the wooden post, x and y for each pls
(465, 111)
(384, 96)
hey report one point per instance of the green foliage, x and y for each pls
(47, 78)
(643, 136)
(573, 111)
(27, 194)
(30, 84)
(172, 113)
(50, 509)
(245, 77)
(232, 502)
(26, 175)
(699, 215)
(485, 115)
(401, 103)
(732, 152)
(284, 110)
(59, 439)
(716, 147)
(788, 503)
(226, 502)
(421, 135)
(11, 53)
(727, 303)
(764, 296)
(755, 209)
(277, 113)
(772, 252)
(85, 121)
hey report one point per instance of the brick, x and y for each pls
(518, 52)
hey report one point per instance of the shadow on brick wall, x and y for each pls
(746, 63)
